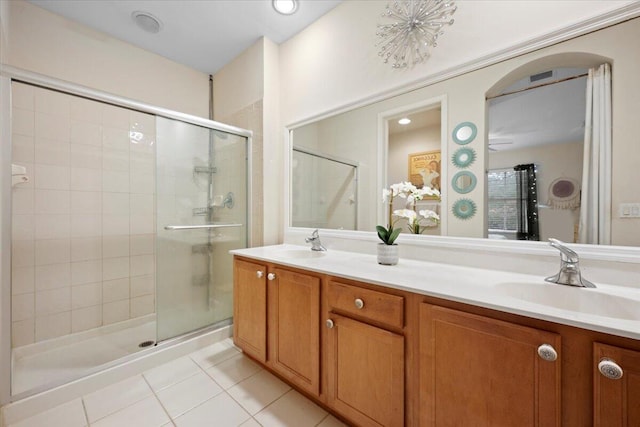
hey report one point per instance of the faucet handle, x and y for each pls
(314, 236)
(566, 254)
(569, 273)
(314, 239)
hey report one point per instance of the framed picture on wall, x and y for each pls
(424, 169)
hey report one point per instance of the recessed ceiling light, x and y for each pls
(285, 7)
(404, 121)
(147, 21)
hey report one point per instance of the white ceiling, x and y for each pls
(419, 120)
(553, 114)
(203, 34)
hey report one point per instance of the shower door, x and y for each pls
(325, 191)
(201, 215)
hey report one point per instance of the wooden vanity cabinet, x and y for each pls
(382, 357)
(365, 359)
(479, 371)
(616, 400)
(250, 308)
(277, 320)
(294, 327)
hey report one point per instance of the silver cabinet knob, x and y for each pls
(547, 352)
(259, 274)
(359, 303)
(329, 323)
(610, 369)
(271, 276)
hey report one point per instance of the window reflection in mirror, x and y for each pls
(539, 119)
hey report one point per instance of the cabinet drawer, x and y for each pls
(373, 305)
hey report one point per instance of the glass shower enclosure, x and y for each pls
(202, 214)
(118, 230)
(324, 191)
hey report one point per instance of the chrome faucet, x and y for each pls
(316, 245)
(569, 273)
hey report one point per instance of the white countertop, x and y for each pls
(592, 309)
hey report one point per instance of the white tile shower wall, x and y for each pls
(83, 248)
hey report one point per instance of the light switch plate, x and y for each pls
(629, 210)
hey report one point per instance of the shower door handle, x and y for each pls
(202, 226)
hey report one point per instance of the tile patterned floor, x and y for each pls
(215, 386)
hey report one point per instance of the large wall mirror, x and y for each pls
(527, 111)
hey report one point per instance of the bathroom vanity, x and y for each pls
(424, 344)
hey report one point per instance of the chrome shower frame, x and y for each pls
(9, 74)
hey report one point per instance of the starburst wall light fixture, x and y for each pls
(416, 28)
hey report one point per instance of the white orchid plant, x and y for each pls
(412, 194)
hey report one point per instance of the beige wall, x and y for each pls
(49, 44)
(334, 62)
(245, 95)
(4, 29)
(273, 193)
(240, 82)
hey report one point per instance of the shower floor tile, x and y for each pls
(195, 400)
(71, 359)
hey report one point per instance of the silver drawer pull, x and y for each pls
(201, 226)
(547, 352)
(329, 323)
(359, 303)
(610, 369)
(259, 274)
(271, 276)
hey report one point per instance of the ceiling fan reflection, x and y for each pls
(491, 144)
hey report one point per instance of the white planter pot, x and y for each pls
(387, 254)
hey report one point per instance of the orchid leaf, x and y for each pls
(383, 234)
(394, 235)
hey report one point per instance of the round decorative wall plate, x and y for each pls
(564, 193)
(464, 208)
(463, 157)
(464, 182)
(464, 133)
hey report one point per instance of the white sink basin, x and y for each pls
(581, 300)
(298, 254)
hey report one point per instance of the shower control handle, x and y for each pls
(259, 274)
(271, 276)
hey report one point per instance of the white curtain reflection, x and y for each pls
(595, 213)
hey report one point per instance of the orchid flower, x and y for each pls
(412, 194)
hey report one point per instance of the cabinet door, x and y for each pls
(250, 308)
(616, 401)
(365, 373)
(477, 371)
(294, 327)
